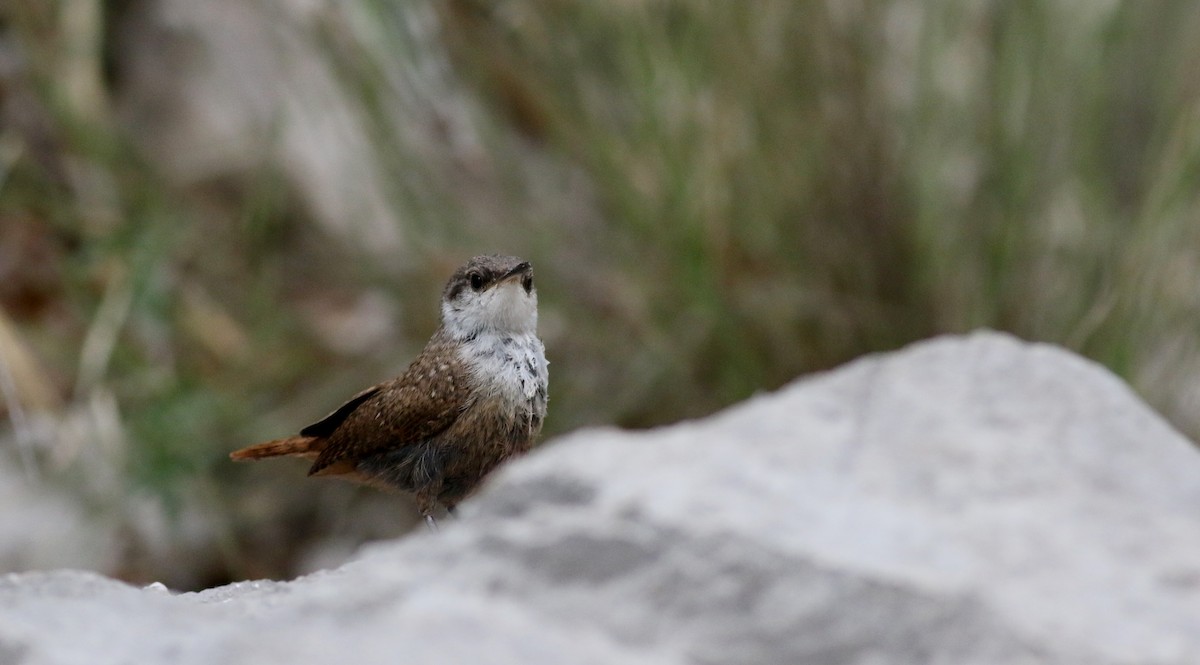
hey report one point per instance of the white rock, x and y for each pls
(967, 500)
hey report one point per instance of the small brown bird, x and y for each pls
(475, 397)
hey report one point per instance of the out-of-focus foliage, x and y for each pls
(717, 198)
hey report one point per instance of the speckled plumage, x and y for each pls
(474, 397)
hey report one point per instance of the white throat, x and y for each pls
(504, 309)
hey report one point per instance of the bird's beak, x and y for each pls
(520, 269)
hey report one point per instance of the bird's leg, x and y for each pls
(426, 501)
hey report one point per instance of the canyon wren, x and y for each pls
(474, 397)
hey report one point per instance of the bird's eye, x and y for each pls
(476, 281)
(527, 283)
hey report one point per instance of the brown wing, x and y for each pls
(418, 405)
(326, 425)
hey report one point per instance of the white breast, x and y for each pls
(510, 367)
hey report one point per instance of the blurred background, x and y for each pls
(219, 219)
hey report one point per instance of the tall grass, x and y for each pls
(789, 185)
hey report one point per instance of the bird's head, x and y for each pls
(490, 293)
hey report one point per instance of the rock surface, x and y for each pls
(966, 500)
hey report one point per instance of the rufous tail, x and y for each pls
(301, 446)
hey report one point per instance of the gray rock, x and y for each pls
(213, 91)
(42, 527)
(966, 500)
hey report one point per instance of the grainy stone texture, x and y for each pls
(966, 500)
